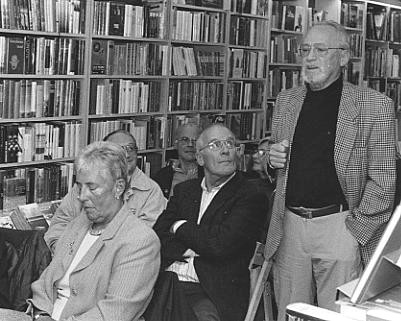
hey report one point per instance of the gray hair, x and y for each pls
(342, 34)
(111, 155)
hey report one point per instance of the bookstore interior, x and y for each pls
(72, 71)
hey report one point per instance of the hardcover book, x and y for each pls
(16, 55)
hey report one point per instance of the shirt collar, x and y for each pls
(139, 180)
(215, 188)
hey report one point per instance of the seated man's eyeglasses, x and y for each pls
(218, 144)
(186, 140)
(319, 49)
(262, 152)
(130, 148)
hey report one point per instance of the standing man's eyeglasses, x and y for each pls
(186, 140)
(130, 148)
(319, 49)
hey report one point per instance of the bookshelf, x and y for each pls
(73, 70)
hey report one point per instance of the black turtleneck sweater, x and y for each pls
(312, 178)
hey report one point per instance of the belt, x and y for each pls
(317, 212)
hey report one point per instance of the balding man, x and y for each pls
(209, 231)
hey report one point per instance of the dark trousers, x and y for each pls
(202, 306)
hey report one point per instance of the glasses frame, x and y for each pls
(316, 51)
(130, 148)
(222, 141)
(186, 140)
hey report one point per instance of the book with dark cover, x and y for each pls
(16, 55)
(117, 13)
(11, 146)
(100, 56)
(14, 189)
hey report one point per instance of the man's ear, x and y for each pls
(344, 57)
(199, 159)
(120, 186)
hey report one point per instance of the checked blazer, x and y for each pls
(364, 157)
(225, 239)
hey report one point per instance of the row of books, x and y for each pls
(395, 26)
(254, 7)
(34, 184)
(288, 17)
(382, 62)
(149, 132)
(246, 31)
(356, 44)
(188, 61)
(280, 79)
(129, 20)
(195, 95)
(218, 4)
(284, 49)
(120, 96)
(352, 14)
(41, 56)
(122, 58)
(39, 98)
(245, 126)
(247, 63)
(245, 95)
(43, 15)
(376, 25)
(39, 141)
(198, 26)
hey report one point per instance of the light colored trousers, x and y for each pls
(314, 258)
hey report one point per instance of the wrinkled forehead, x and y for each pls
(322, 34)
(121, 139)
(189, 131)
(218, 133)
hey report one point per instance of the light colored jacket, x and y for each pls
(364, 157)
(115, 278)
(144, 197)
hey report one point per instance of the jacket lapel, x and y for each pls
(347, 128)
(226, 192)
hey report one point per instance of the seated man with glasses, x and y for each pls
(333, 149)
(185, 167)
(144, 197)
(208, 234)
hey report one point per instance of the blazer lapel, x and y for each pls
(107, 234)
(347, 128)
(226, 192)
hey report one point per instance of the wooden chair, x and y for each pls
(260, 285)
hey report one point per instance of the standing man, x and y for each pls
(186, 167)
(209, 230)
(334, 152)
(143, 195)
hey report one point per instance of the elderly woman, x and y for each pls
(106, 263)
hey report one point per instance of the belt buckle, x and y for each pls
(306, 212)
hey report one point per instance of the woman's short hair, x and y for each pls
(109, 154)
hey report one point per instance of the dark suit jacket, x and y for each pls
(164, 177)
(224, 239)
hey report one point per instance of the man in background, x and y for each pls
(209, 230)
(334, 153)
(144, 197)
(186, 166)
